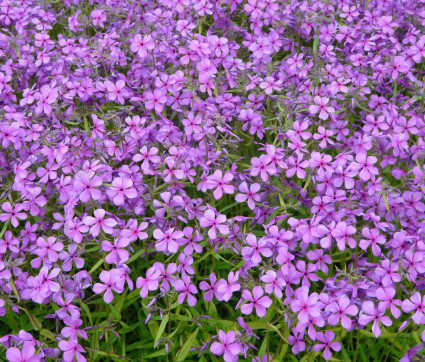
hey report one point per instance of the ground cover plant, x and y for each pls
(196, 180)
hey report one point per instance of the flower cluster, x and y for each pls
(240, 179)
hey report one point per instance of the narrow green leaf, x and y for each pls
(187, 346)
(96, 266)
(3, 230)
(114, 312)
(135, 256)
(315, 44)
(161, 329)
(15, 290)
(384, 196)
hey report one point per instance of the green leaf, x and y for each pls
(15, 290)
(87, 311)
(384, 196)
(187, 346)
(46, 333)
(229, 207)
(96, 266)
(33, 319)
(3, 230)
(114, 312)
(160, 353)
(345, 356)
(365, 109)
(135, 256)
(161, 329)
(315, 44)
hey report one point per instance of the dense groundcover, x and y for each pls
(195, 180)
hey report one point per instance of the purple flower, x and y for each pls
(370, 313)
(256, 300)
(220, 183)
(112, 281)
(340, 310)
(148, 283)
(186, 289)
(141, 45)
(342, 233)
(327, 344)
(305, 305)
(255, 248)
(45, 97)
(121, 188)
(27, 354)
(72, 350)
(12, 213)
(215, 223)
(321, 106)
(167, 241)
(415, 303)
(228, 346)
(248, 193)
(99, 222)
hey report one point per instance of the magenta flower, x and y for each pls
(117, 254)
(270, 84)
(364, 166)
(47, 251)
(117, 92)
(273, 283)
(98, 16)
(248, 193)
(262, 166)
(112, 281)
(141, 45)
(296, 340)
(340, 310)
(387, 271)
(209, 288)
(72, 256)
(27, 354)
(72, 331)
(305, 305)
(321, 106)
(167, 241)
(220, 183)
(148, 283)
(415, 303)
(46, 97)
(12, 213)
(256, 300)
(228, 347)
(71, 349)
(185, 287)
(156, 99)
(99, 222)
(256, 248)
(225, 289)
(370, 313)
(121, 188)
(327, 344)
(215, 223)
(148, 156)
(342, 233)
(86, 183)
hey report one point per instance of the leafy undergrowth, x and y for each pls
(206, 180)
